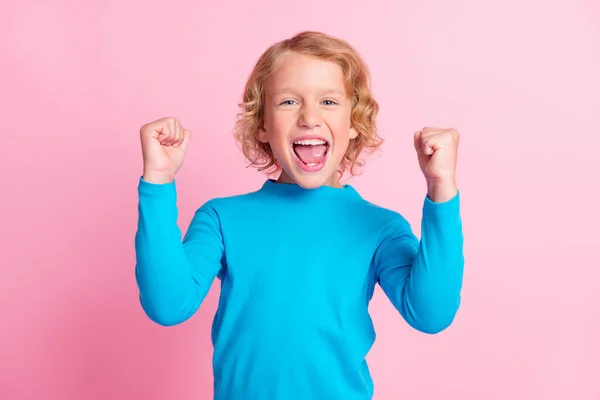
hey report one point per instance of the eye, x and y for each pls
(329, 102)
(287, 103)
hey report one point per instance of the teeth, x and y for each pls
(311, 142)
(312, 164)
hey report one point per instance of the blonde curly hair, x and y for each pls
(325, 47)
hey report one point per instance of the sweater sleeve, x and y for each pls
(174, 275)
(423, 280)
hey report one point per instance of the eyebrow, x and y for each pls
(325, 90)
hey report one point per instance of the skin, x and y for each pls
(306, 96)
(437, 153)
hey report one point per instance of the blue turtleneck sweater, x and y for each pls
(297, 269)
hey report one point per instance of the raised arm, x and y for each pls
(174, 276)
(423, 280)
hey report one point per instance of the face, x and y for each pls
(307, 120)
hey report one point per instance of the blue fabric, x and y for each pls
(297, 268)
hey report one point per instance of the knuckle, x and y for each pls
(169, 122)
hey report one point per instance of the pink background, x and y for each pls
(519, 79)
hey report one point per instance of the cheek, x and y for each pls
(277, 129)
(280, 123)
(341, 128)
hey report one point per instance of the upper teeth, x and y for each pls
(312, 142)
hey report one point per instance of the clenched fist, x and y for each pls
(163, 146)
(437, 152)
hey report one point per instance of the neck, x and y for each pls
(333, 181)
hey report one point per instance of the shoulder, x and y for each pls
(391, 230)
(380, 223)
(228, 203)
(231, 207)
(385, 217)
(225, 202)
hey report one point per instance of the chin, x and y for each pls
(312, 181)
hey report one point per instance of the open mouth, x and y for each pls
(311, 153)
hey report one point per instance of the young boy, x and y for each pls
(299, 258)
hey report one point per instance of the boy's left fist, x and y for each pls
(437, 151)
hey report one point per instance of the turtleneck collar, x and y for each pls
(295, 191)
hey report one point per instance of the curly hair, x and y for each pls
(357, 78)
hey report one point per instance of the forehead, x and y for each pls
(297, 71)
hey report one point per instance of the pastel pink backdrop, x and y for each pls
(519, 79)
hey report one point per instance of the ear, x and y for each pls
(262, 135)
(353, 133)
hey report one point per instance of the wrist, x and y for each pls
(440, 191)
(158, 177)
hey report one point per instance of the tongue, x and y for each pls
(310, 154)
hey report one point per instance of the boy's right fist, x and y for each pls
(163, 145)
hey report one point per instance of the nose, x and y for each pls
(310, 117)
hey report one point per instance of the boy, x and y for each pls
(299, 258)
